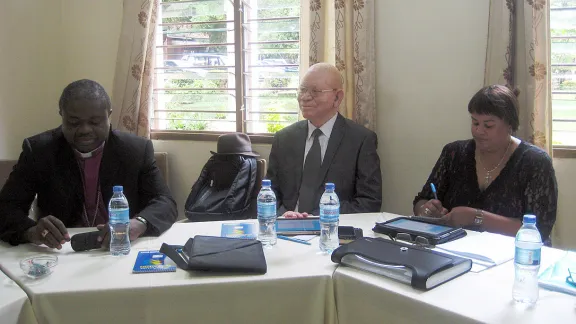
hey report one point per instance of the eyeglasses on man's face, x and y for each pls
(313, 92)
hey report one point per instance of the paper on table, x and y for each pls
(304, 237)
(554, 277)
(485, 249)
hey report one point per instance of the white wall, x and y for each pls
(565, 227)
(90, 31)
(30, 70)
(429, 63)
(44, 45)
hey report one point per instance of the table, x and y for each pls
(94, 287)
(484, 297)
(301, 286)
(15, 306)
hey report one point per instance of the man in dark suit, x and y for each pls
(324, 148)
(72, 169)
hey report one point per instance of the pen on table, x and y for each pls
(434, 190)
(291, 239)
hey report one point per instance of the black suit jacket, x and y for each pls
(47, 167)
(351, 162)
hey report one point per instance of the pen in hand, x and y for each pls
(433, 187)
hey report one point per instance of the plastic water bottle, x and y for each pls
(119, 212)
(527, 262)
(267, 215)
(329, 217)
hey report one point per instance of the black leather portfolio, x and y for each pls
(422, 268)
(218, 254)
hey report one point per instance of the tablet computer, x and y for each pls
(435, 233)
(298, 226)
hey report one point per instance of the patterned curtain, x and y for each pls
(342, 33)
(518, 56)
(132, 97)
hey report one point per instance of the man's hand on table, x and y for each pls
(137, 228)
(49, 231)
(293, 214)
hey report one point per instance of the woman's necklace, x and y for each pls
(488, 176)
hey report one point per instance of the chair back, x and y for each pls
(260, 174)
(5, 169)
(162, 163)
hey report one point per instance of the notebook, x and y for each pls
(152, 261)
(485, 249)
(419, 267)
(239, 230)
(554, 277)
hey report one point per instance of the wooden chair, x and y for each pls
(261, 169)
(162, 163)
(5, 169)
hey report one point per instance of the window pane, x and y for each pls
(272, 40)
(195, 67)
(563, 60)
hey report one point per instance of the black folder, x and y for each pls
(218, 254)
(422, 268)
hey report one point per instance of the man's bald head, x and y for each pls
(329, 72)
(320, 93)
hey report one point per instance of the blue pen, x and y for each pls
(434, 190)
(291, 239)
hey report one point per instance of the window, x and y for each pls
(226, 66)
(563, 61)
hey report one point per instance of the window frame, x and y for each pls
(560, 150)
(240, 88)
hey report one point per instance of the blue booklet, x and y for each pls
(239, 230)
(152, 261)
(554, 277)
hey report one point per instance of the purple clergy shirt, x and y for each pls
(89, 163)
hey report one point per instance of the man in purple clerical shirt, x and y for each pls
(71, 171)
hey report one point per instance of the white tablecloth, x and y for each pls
(301, 286)
(484, 297)
(94, 287)
(15, 306)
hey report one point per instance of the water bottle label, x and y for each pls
(527, 257)
(266, 210)
(328, 214)
(119, 215)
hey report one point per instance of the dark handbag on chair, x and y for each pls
(218, 254)
(223, 190)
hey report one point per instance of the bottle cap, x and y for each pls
(266, 183)
(118, 188)
(529, 219)
(330, 185)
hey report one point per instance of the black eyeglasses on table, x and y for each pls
(415, 240)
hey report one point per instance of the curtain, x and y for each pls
(341, 32)
(518, 55)
(132, 97)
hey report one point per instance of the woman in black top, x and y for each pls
(491, 181)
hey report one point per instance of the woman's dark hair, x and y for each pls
(84, 90)
(499, 101)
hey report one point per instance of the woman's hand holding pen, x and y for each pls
(433, 208)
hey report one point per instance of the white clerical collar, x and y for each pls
(326, 128)
(89, 154)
